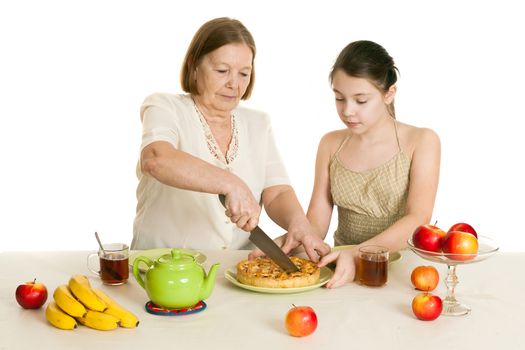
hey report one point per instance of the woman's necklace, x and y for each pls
(212, 144)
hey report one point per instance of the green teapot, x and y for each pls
(176, 280)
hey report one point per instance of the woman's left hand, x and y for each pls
(306, 236)
(345, 267)
(313, 245)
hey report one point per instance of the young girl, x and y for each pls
(380, 173)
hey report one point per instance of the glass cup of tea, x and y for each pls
(113, 263)
(372, 265)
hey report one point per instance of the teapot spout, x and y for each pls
(209, 282)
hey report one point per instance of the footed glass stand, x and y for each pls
(451, 306)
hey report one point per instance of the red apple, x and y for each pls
(425, 278)
(428, 237)
(461, 226)
(301, 321)
(460, 245)
(31, 295)
(426, 306)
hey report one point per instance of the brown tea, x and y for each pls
(114, 268)
(372, 272)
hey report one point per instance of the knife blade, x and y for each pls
(268, 246)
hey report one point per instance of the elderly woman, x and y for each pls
(200, 144)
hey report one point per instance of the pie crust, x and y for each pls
(263, 272)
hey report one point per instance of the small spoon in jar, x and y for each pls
(100, 243)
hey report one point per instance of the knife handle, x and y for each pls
(222, 198)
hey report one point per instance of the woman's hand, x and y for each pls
(295, 239)
(242, 208)
(345, 267)
(304, 234)
(284, 209)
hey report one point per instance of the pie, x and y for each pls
(263, 272)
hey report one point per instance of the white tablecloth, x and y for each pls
(350, 317)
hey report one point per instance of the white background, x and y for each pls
(73, 75)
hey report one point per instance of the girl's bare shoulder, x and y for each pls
(333, 139)
(330, 142)
(412, 137)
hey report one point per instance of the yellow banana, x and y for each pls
(126, 317)
(99, 320)
(67, 302)
(81, 288)
(59, 318)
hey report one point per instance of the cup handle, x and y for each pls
(136, 271)
(89, 259)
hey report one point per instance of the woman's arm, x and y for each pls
(307, 230)
(284, 209)
(179, 169)
(424, 178)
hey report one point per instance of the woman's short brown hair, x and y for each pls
(211, 36)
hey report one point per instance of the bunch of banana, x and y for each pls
(78, 302)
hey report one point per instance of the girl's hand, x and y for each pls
(345, 267)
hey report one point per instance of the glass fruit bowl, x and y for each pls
(486, 248)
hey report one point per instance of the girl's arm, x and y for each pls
(321, 204)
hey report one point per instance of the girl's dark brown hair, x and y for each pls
(211, 36)
(368, 60)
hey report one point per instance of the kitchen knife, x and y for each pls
(268, 246)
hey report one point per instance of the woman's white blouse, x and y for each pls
(170, 217)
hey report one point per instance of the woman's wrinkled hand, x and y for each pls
(297, 238)
(242, 209)
(306, 237)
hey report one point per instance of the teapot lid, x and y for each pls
(176, 258)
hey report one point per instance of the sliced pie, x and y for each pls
(263, 272)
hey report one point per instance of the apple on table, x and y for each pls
(300, 321)
(31, 295)
(427, 307)
(425, 278)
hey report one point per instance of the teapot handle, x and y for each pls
(136, 271)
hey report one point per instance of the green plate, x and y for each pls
(392, 257)
(231, 275)
(154, 254)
